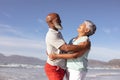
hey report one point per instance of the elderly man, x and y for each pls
(55, 69)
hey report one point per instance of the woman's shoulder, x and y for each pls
(82, 39)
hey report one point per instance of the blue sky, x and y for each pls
(23, 27)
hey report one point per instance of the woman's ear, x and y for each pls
(87, 30)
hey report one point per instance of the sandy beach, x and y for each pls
(38, 74)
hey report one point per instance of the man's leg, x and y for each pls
(54, 72)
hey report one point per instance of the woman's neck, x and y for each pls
(81, 35)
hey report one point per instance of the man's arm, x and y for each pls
(74, 48)
(66, 56)
(71, 55)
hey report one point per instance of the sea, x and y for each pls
(20, 73)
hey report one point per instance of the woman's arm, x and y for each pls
(79, 47)
(69, 55)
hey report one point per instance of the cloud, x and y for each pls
(9, 30)
(41, 21)
(21, 43)
(35, 48)
(6, 14)
(6, 28)
(111, 30)
(108, 31)
(104, 54)
(21, 46)
(42, 25)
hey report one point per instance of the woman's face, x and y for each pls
(82, 28)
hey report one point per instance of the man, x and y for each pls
(55, 69)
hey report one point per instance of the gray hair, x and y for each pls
(91, 26)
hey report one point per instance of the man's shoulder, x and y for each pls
(52, 31)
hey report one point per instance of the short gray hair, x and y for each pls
(91, 26)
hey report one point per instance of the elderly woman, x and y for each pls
(77, 62)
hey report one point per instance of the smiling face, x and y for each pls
(54, 21)
(83, 30)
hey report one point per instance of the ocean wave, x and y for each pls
(106, 68)
(102, 74)
(21, 66)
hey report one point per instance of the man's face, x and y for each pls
(57, 23)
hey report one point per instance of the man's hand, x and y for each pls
(85, 45)
(52, 56)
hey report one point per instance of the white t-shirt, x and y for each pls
(54, 41)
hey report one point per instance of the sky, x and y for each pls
(23, 27)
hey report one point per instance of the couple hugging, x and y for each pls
(70, 59)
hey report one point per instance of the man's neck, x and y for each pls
(54, 29)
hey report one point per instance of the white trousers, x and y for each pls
(75, 75)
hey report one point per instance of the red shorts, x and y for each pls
(54, 72)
